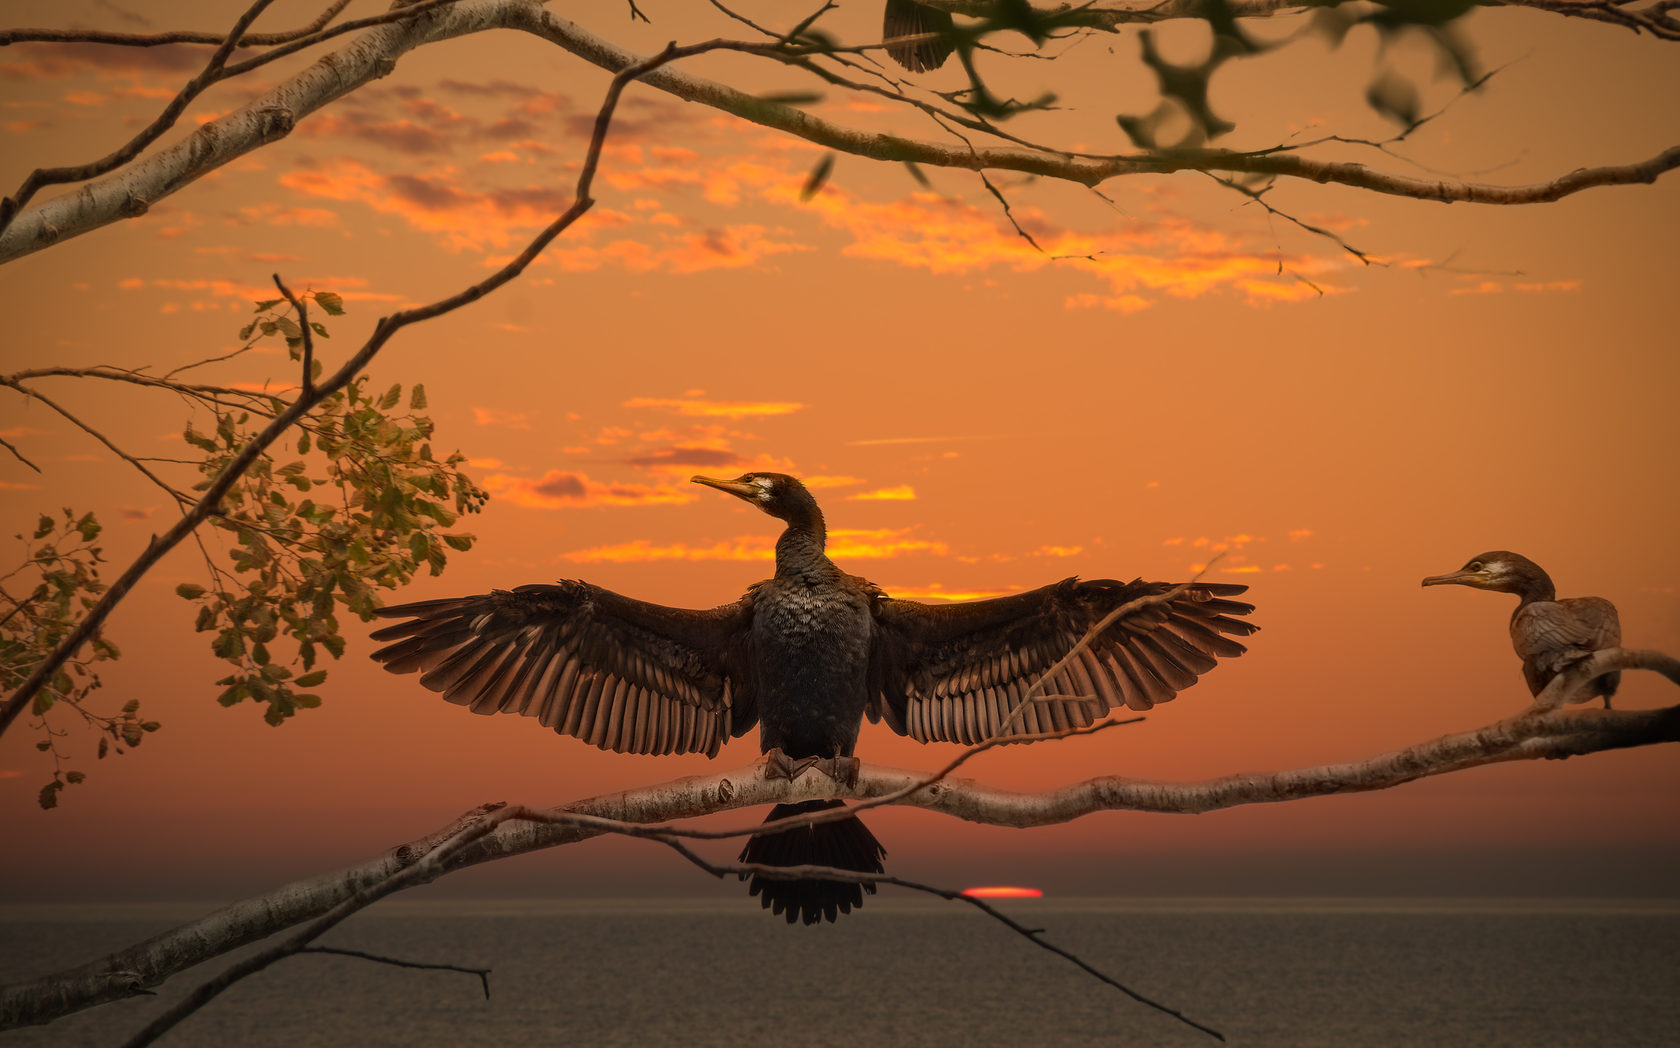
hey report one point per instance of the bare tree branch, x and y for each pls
(383, 331)
(95, 36)
(397, 962)
(1534, 734)
(375, 53)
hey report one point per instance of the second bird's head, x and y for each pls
(777, 494)
(1498, 569)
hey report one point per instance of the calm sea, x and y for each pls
(1295, 973)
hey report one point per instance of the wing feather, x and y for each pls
(953, 672)
(617, 673)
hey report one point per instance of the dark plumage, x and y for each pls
(1549, 634)
(806, 656)
(908, 18)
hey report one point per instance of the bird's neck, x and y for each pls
(1531, 587)
(800, 549)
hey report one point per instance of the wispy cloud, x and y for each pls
(843, 544)
(695, 407)
(564, 489)
(899, 493)
(498, 417)
(877, 441)
(938, 592)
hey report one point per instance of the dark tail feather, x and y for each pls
(844, 845)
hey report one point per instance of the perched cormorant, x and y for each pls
(1549, 634)
(908, 18)
(806, 655)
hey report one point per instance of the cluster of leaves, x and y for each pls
(364, 506)
(63, 560)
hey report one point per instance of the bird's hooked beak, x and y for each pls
(1461, 577)
(738, 487)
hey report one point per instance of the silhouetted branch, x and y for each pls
(384, 330)
(96, 36)
(830, 873)
(1534, 734)
(396, 962)
(127, 193)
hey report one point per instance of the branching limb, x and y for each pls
(830, 873)
(308, 383)
(384, 330)
(482, 973)
(1531, 735)
(372, 55)
(95, 36)
(468, 828)
(42, 177)
(34, 394)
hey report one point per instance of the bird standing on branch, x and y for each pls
(1549, 634)
(806, 656)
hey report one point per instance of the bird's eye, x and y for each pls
(1475, 565)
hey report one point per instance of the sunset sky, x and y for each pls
(1176, 374)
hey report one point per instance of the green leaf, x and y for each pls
(189, 591)
(417, 398)
(48, 797)
(330, 301)
(391, 399)
(462, 542)
(308, 702)
(267, 304)
(44, 527)
(311, 680)
(74, 776)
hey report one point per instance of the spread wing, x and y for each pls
(1549, 635)
(618, 673)
(954, 673)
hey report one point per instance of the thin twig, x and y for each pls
(34, 394)
(830, 873)
(9, 446)
(97, 36)
(42, 177)
(307, 386)
(482, 973)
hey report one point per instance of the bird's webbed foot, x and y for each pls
(778, 765)
(841, 769)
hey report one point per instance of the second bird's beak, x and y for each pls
(738, 488)
(1462, 577)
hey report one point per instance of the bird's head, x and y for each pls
(777, 494)
(1499, 570)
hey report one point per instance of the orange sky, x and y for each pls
(980, 417)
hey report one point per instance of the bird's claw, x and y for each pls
(778, 765)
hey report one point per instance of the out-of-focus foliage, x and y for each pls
(43, 598)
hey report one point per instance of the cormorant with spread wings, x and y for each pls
(805, 656)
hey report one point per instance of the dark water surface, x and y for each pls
(1333, 973)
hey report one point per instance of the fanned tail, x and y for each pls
(844, 845)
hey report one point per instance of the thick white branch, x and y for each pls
(128, 193)
(1531, 735)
